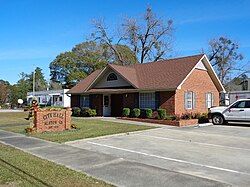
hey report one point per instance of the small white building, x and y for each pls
(51, 98)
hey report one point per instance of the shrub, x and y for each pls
(85, 111)
(92, 112)
(203, 118)
(76, 111)
(125, 112)
(187, 116)
(162, 114)
(149, 112)
(136, 112)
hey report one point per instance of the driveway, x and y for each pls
(218, 153)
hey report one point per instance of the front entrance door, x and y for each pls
(106, 105)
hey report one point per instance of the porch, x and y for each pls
(110, 102)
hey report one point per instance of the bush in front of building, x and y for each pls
(76, 111)
(85, 111)
(92, 112)
(149, 113)
(136, 112)
(125, 112)
(162, 114)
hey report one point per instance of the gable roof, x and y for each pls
(160, 75)
(84, 84)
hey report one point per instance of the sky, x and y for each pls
(34, 32)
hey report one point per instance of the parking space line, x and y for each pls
(170, 159)
(194, 142)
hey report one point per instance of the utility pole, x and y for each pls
(34, 82)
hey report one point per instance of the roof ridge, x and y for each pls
(177, 58)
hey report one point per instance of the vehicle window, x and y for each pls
(240, 104)
(247, 104)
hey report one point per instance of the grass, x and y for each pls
(18, 168)
(15, 122)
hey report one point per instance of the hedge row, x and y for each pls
(162, 114)
(83, 112)
(144, 113)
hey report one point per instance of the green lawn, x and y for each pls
(86, 128)
(18, 168)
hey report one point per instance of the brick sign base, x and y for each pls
(52, 120)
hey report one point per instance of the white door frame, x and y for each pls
(107, 105)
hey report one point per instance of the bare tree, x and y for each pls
(149, 39)
(224, 56)
(104, 38)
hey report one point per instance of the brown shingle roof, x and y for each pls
(164, 74)
(85, 83)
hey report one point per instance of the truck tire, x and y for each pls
(218, 119)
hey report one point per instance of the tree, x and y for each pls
(4, 92)
(25, 85)
(20, 89)
(70, 67)
(224, 56)
(40, 81)
(150, 39)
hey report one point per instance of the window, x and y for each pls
(240, 104)
(111, 77)
(209, 100)
(60, 98)
(84, 101)
(190, 100)
(147, 100)
(247, 105)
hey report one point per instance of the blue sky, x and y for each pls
(33, 32)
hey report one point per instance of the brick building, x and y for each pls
(179, 85)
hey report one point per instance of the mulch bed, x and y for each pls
(179, 123)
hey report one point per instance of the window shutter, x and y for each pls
(157, 100)
(206, 99)
(212, 103)
(194, 100)
(185, 100)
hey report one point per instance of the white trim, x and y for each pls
(209, 69)
(102, 72)
(122, 76)
(212, 69)
(95, 79)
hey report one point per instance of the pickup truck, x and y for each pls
(237, 112)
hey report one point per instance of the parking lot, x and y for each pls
(218, 153)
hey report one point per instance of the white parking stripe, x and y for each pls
(171, 159)
(186, 141)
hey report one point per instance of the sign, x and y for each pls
(52, 120)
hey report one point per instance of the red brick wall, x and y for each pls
(75, 100)
(130, 100)
(167, 101)
(96, 102)
(49, 120)
(200, 83)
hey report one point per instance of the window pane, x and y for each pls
(189, 100)
(209, 100)
(112, 77)
(84, 101)
(247, 105)
(147, 100)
